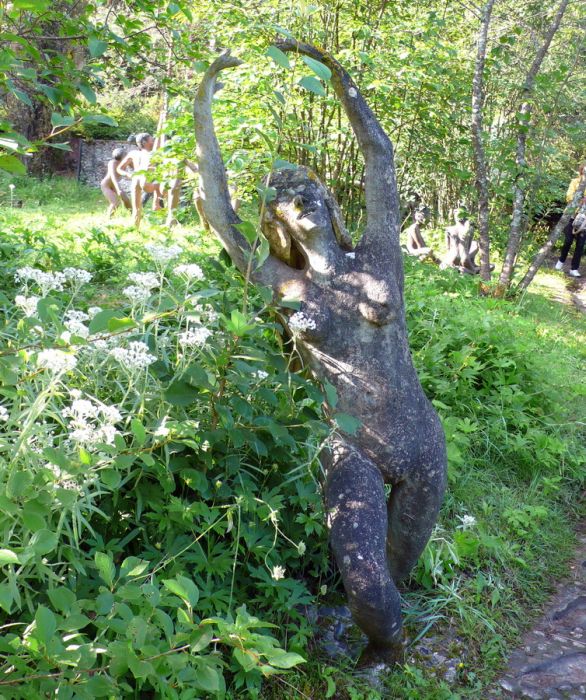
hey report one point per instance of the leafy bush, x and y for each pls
(156, 471)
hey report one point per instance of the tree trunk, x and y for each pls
(481, 179)
(555, 234)
(520, 186)
(351, 333)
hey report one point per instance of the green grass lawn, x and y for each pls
(507, 379)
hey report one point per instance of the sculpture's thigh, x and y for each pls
(412, 513)
(357, 518)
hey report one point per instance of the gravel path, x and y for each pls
(550, 663)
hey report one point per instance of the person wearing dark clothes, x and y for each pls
(571, 234)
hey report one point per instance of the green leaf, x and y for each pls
(22, 96)
(100, 119)
(245, 660)
(57, 457)
(238, 323)
(18, 482)
(262, 252)
(32, 5)
(283, 659)
(43, 541)
(138, 431)
(184, 588)
(58, 120)
(201, 638)
(313, 85)
(51, 92)
(278, 57)
(99, 322)
(46, 624)
(347, 423)
(281, 164)
(7, 556)
(248, 230)
(105, 567)
(133, 566)
(88, 93)
(317, 67)
(11, 164)
(6, 597)
(207, 677)
(120, 324)
(180, 393)
(62, 598)
(331, 394)
(96, 47)
(101, 687)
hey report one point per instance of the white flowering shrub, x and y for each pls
(156, 492)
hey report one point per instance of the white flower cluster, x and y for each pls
(148, 280)
(94, 311)
(3, 414)
(208, 311)
(56, 361)
(47, 281)
(136, 356)
(300, 322)
(191, 271)
(92, 423)
(76, 276)
(260, 374)
(467, 522)
(192, 338)
(162, 255)
(137, 294)
(27, 304)
(75, 326)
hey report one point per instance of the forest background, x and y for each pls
(125, 561)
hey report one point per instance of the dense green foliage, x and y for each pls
(414, 61)
(132, 541)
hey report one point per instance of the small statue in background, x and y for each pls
(461, 248)
(415, 242)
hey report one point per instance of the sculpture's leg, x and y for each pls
(412, 513)
(136, 200)
(357, 517)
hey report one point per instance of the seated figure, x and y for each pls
(415, 242)
(461, 248)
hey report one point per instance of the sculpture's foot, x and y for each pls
(389, 655)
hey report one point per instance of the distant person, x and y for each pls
(110, 185)
(572, 233)
(140, 161)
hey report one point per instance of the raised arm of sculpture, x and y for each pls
(382, 203)
(215, 195)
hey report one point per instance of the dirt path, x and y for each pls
(550, 663)
(563, 288)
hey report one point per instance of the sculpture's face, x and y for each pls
(420, 217)
(298, 217)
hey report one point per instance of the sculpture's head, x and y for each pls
(302, 218)
(420, 216)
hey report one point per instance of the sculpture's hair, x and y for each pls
(118, 153)
(142, 138)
